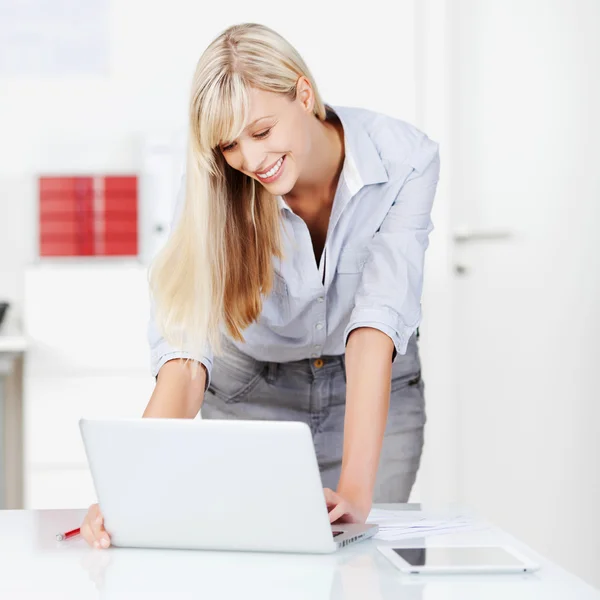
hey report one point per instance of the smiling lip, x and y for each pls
(275, 175)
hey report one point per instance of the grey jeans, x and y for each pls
(314, 392)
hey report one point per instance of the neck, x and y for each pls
(324, 166)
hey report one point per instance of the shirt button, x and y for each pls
(320, 299)
(317, 347)
(319, 325)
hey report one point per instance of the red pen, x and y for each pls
(65, 536)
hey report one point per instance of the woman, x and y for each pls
(293, 273)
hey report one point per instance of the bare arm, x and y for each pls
(368, 374)
(177, 394)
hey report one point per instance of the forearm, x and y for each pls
(368, 376)
(177, 394)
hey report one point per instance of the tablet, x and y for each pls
(458, 559)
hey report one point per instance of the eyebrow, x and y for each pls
(259, 119)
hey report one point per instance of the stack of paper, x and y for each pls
(405, 524)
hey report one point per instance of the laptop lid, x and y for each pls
(181, 483)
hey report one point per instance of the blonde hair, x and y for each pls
(218, 262)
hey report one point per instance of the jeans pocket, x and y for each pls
(405, 380)
(235, 375)
(406, 370)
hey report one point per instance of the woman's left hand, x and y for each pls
(345, 510)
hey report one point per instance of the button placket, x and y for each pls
(320, 330)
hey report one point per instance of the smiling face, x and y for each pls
(275, 145)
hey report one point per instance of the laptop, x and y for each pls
(212, 485)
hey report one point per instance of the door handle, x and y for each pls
(462, 236)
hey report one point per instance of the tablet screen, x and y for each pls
(458, 556)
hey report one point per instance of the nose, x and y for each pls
(252, 157)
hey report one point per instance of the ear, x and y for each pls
(304, 94)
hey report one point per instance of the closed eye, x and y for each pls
(260, 136)
(263, 134)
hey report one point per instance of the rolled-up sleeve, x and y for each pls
(389, 294)
(160, 350)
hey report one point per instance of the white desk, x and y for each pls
(12, 344)
(12, 347)
(33, 565)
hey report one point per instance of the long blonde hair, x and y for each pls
(218, 262)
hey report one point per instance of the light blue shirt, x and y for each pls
(371, 270)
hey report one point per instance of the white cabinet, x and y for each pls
(88, 357)
(55, 405)
(87, 317)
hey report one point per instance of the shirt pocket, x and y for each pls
(349, 272)
(276, 306)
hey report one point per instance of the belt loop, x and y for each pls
(272, 371)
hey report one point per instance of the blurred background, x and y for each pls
(93, 115)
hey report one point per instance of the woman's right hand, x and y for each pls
(92, 528)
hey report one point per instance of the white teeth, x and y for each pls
(272, 171)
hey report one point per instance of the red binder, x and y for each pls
(88, 216)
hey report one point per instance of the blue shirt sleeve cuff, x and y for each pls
(386, 321)
(159, 361)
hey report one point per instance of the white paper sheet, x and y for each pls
(400, 524)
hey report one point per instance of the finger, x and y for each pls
(97, 525)
(338, 512)
(95, 521)
(331, 498)
(87, 528)
(93, 512)
(86, 533)
(101, 537)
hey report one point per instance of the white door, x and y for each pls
(524, 191)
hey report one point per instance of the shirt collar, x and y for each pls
(362, 163)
